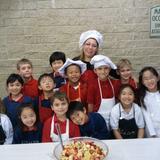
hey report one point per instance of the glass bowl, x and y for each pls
(58, 149)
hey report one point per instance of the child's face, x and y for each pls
(60, 107)
(90, 48)
(73, 74)
(56, 65)
(79, 117)
(149, 80)
(28, 117)
(25, 70)
(46, 84)
(102, 72)
(125, 72)
(126, 97)
(14, 88)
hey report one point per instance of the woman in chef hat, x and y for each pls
(89, 43)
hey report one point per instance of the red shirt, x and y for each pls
(73, 129)
(94, 97)
(45, 110)
(75, 94)
(88, 76)
(131, 82)
(30, 88)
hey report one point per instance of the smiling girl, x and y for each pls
(29, 129)
(126, 118)
(149, 98)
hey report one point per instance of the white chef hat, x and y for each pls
(101, 60)
(69, 62)
(90, 34)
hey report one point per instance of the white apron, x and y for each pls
(106, 104)
(54, 137)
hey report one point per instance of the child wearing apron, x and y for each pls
(126, 117)
(68, 129)
(101, 92)
(75, 89)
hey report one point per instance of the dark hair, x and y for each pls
(123, 86)
(74, 106)
(73, 64)
(44, 75)
(59, 95)
(20, 110)
(14, 77)
(141, 88)
(57, 56)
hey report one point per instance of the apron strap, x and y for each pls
(119, 111)
(79, 90)
(100, 89)
(132, 107)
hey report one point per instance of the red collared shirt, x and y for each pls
(30, 88)
(75, 94)
(94, 97)
(45, 112)
(73, 129)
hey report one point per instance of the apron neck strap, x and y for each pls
(79, 90)
(100, 88)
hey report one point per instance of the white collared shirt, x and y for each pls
(115, 115)
(152, 113)
(7, 127)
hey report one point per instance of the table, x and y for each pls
(135, 149)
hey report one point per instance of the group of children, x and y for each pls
(84, 102)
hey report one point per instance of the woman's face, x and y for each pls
(90, 48)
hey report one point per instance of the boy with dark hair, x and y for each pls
(90, 124)
(56, 60)
(46, 85)
(15, 98)
(25, 70)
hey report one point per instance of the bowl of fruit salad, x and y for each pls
(81, 148)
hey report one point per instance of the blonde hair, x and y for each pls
(24, 61)
(122, 63)
(82, 56)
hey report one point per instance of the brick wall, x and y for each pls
(35, 28)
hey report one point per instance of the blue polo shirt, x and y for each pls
(95, 127)
(11, 107)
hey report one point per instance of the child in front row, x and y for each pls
(91, 124)
(126, 118)
(29, 129)
(25, 70)
(149, 99)
(68, 128)
(6, 130)
(56, 60)
(15, 97)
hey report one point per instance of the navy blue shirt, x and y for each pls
(20, 136)
(95, 127)
(59, 80)
(11, 107)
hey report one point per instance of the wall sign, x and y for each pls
(155, 21)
